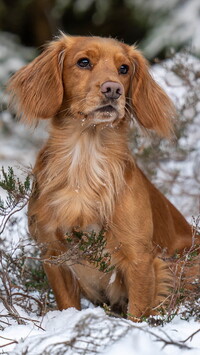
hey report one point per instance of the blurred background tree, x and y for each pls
(155, 24)
(36, 21)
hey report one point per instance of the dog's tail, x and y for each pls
(185, 271)
(163, 284)
(177, 279)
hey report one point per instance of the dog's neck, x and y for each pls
(85, 171)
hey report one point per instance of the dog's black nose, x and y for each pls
(111, 90)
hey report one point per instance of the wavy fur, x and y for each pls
(86, 175)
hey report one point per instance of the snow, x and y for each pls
(184, 191)
(173, 23)
(113, 277)
(111, 336)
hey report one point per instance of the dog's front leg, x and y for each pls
(140, 280)
(132, 250)
(62, 280)
(139, 276)
(56, 264)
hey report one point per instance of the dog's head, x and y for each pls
(91, 78)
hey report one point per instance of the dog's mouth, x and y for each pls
(106, 113)
(102, 114)
(107, 109)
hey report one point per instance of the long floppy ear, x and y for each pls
(36, 90)
(152, 107)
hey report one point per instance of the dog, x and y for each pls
(86, 176)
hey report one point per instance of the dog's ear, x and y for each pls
(152, 107)
(36, 90)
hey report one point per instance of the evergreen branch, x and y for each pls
(18, 194)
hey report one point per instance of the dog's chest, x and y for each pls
(91, 182)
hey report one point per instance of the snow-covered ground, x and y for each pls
(91, 331)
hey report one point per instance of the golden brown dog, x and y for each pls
(86, 176)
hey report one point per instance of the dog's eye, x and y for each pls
(123, 69)
(84, 63)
